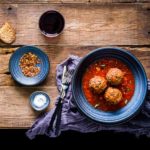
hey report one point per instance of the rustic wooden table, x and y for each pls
(89, 24)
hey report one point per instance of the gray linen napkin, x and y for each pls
(71, 119)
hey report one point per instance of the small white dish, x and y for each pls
(39, 100)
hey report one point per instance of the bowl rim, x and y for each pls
(145, 81)
(40, 81)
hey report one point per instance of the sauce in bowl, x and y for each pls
(101, 68)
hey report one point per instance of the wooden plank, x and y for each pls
(4, 60)
(15, 109)
(58, 53)
(67, 1)
(85, 24)
(19, 103)
(7, 50)
(6, 80)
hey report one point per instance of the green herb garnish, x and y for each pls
(128, 89)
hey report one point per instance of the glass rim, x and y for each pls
(48, 34)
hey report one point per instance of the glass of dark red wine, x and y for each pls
(51, 23)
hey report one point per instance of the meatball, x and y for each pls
(114, 76)
(113, 95)
(98, 84)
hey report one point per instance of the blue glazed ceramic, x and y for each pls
(128, 111)
(33, 95)
(15, 69)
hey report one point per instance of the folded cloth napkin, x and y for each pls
(71, 119)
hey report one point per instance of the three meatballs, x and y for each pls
(114, 76)
(98, 84)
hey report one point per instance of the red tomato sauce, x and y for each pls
(100, 68)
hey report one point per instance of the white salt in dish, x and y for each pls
(39, 100)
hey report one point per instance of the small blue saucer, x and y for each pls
(32, 97)
(15, 69)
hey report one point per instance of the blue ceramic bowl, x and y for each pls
(33, 95)
(128, 111)
(15, 69)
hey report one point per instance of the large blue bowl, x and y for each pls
(128, 111)
(15, 69)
